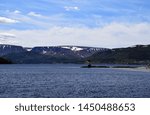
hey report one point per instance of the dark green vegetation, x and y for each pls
(4, 61)
(139, 54)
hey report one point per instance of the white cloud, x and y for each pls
(6, 35)
(109, 36)
(7, 38)
(70, 8)
(34, 14)
(7, 20)
(13, 12)
(17, 12)
(31, 20)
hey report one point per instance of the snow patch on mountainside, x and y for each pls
(44, 52)
(28, 49)
(73, 48)
(76, 49)
(66, 47)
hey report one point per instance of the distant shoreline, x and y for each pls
(141, 69)
(123, 67)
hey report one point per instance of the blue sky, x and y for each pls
(75, 18)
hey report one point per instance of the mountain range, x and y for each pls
(138, 54)
(50, 54)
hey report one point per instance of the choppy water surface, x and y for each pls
(71, 81)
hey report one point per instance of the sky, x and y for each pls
(97, 23)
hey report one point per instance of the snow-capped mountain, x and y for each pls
(51, 54)
(77, 51)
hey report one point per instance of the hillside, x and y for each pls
(7, 49)
(49, 54)
(36, 58)
(139, 54)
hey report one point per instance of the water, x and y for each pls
(71, 81)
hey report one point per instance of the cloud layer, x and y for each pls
(110, 36)
(6, 35)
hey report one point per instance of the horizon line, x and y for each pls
(74, 46)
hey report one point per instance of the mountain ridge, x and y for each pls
(48, 54)
(137, 54)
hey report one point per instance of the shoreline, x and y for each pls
(140, 69)
(131, 68)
